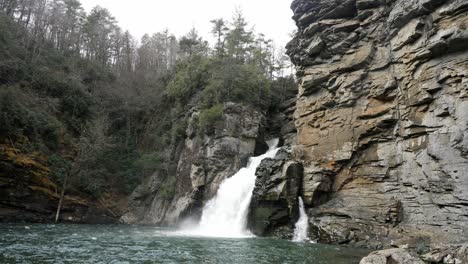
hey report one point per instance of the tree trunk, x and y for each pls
(62, 195)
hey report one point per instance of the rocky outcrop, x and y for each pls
(444, 254)
(274, 205)
(381, 121)
(392, 256)
(447, 254)
(204, 160)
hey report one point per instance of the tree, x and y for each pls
(9, 6)
(193, 44)
(219, 30)
(128, 53)
(263, 54)
(99, 30)
(157, 53)
(239, 38)
(74, 17)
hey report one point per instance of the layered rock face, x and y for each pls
(204, 161)
(27, 193)
(382, 122)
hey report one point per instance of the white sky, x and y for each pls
(271, 17)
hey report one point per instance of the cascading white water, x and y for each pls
(226, 214)
(302, 225)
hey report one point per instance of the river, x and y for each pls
(42, 243)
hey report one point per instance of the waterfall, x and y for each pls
(226, 214)
(302, 225)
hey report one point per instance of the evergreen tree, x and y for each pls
(239, 38)
(219, 31)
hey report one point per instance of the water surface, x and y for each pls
(143, 244)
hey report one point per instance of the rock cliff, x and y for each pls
(204, 160)
(382, 125)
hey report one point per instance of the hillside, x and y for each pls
(82, 100)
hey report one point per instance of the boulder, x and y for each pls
(391, 256)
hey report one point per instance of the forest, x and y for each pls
(81, 97)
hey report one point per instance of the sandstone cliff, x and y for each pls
(382, 125)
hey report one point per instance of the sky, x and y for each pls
(270, 17)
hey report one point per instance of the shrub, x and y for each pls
(208, 117)
(59, 167)
(21, 114)
(167, 189)
(179, 130)
(148, 163)
(77, 104)
(190, 75)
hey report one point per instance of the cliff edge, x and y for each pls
(382, 124)
(382, 118)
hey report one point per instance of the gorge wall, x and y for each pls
(203, 160)
(382, 125)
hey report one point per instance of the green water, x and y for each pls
(143, 244)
